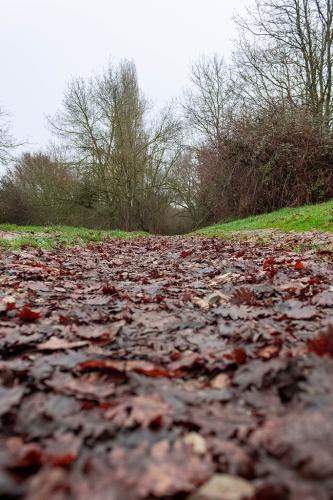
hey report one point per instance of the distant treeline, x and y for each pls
(249, 136)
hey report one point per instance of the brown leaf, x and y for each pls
(322, 344)
(139, 366)
(55, 344)
(10, 397)
(244, 295)
(147, 411)
(62, 449)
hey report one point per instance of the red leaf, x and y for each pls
(238, 355)
(61, 460)
(159, 298)
(11, 306)
(24, 455)
(28, 315)
(185, 253)
(269, 266)
(109, 290)
(299, 265)
(268, 263)
(323, 344)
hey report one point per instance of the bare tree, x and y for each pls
(7, 144)
(208, 104)
(285, 53)
(209, 109)
(104, 124)
(186, 188)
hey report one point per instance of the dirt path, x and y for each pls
(148, 368)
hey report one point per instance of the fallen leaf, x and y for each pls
(54, 344)
(322, 344)
(299, 265)
(143, 367)
(146, 411)
(225, 278)
(244, 295)
(238, 355)
(28, 315)
(10, 397)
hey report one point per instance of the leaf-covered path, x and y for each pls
(169, 368)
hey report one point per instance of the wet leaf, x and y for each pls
(28, 315)
(154, 367)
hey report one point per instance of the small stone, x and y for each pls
(221, 381)
(216, 298)
(202, 303)
(197, 443)
(225, 487)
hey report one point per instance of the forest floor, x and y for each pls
(168, 367)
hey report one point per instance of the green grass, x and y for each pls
(49, 237)
(310, 217)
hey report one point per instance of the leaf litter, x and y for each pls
(166, 367)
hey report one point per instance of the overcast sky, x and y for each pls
(46, 42)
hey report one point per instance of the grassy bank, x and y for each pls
(310, 217)
(50, 236)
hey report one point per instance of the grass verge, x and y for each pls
(310, 217)
(49, 237)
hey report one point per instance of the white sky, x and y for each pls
(43, 43)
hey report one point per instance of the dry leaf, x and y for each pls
(54, 343)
